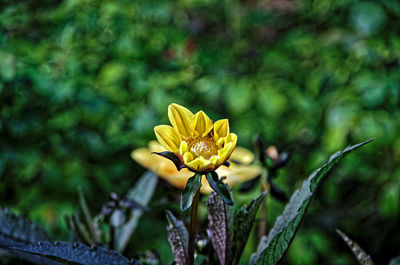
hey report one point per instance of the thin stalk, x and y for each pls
(262, 225)
(112, 237)
(193, 228)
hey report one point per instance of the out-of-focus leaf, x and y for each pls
(242, 224)
(192, 186)
(200, 260)
(178, 237)
(68, 253)
(90, 225)
(276, 191)
(141, 192)
(395, 261)
(16, 229)
(220, 223)
(285, 227)
(362, 257)
(219, 187)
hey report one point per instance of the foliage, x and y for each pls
(280, 236)
(82, 83)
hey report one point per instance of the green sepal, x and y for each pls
(219, 187)
(192, 186)
(174, 158)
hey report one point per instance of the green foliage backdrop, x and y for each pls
(82, 83)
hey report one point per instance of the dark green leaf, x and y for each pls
(142, 192)
(362, 257)
(171, 156)
(178, 237)
(220, 221)
(71, 253)
(219, 187)
(243, 223)
(192, 186)
(395, 261)
(285, 228)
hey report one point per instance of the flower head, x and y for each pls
(199, 143)
(240, 170)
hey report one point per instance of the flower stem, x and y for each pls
(193, 228)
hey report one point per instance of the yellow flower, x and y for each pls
(201, 145)
(240, 169)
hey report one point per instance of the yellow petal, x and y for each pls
(225, 152)
(221, 129)
(242, 156)
(144, 158)
(178, 178)
(168, 137)
(155, 146)
(187, 157)
(231, 138)
(201, 124)
(214, 159)
(180, 118)
(200, 164)
(245, 173)
(183, 148)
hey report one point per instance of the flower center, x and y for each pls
(203, 146)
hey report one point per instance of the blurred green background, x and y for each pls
(84, 82)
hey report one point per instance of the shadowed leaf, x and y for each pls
(395, 261)
(192, 186)
(362, 257)
(178, 237)
(219, 187)
(16, 229)
(171, 156)
(220, 226)
(243, 223)
(71, 253)
(285, 227)
(142, 192)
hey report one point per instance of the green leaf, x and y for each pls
(285, 228)
(362, 257)
(243, 223)
(219, 187)
(200, 260)
(88, 221)
(68, 253)
(178, 237)
(192, 186)
(171, 156)
(220, 223)
(16, 229)
(395, 261)
(142, 192)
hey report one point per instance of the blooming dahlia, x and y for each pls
(200, 144)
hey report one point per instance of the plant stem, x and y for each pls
(193, 228)
(112, 237)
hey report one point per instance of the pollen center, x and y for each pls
(203, 146)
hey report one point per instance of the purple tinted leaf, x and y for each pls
(220, 227)
(178, 237)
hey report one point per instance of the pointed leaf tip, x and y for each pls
(362, 257)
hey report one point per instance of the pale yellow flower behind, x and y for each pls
(239, 171)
